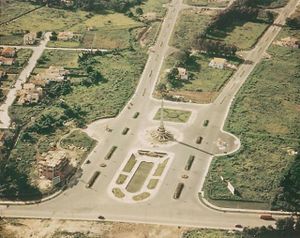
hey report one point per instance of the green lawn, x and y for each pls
(130, 164)
(79, 139)
(141, 196)
(121, 179)
(118, 192)
(111, 29)
(161, 167)
(207, 3)
(205, 81)
(190, 23)
(244, 35)
(152, 183)
(139, 177)
(265, 116)
(173, 115)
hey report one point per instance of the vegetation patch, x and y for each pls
(207, 3)
(173, 115)
(207, 233)
(78, 139)
(189, 23)
(130, 164)
(22, 58)
(264, 116)
(118, 192)
(160, 168)
(152, 183)
(109, 30)
(121, 179)
(242, 34)
(139, 177)
(203, 84)
(141, 196)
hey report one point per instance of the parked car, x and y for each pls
(199, 139)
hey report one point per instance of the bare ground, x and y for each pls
(49, 228)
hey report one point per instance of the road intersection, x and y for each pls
(78, 202)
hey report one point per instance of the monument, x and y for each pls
(161, 134)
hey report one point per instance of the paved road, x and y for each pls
(79, 202)
(11, 96)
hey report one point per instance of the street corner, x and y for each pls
(226, 143)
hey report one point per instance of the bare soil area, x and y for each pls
(49, 228)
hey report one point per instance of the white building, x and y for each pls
(218, 63)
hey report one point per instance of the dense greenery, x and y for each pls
(95, 5)
(288, 196)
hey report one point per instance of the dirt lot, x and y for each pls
(25, 228)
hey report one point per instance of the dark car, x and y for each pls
(101, 217)
(199, 139)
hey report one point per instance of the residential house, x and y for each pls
(6, 61)
(218, 63)
(8, 52)
(29, 93)
(29, 38)
(52, 74)
(65, 35)
(53, 164)
(183, 73)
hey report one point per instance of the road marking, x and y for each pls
(144, 92)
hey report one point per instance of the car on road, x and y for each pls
(101, 217)
(266, 217)
(199, 139)
(238, 226)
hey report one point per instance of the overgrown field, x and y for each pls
(111, 30)
(190, 23)
(265, 116)
(68, 106)
(205, 82)
(242, 34)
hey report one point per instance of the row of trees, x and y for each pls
(213, 47)
(94, 5)
(285, 228)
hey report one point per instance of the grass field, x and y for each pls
(190, 23)
(139, 177)
(207, 233)
(111, 30)
(12, 8)
(244, 35)
(173, 115)
(265, 116)
(206, 81)
(79, 139)
(207, 3)
(67, 59)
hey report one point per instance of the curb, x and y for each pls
(204, 201)
(54, 195)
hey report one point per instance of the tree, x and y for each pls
(297, 225)
(172, 77)
(285, 224)
(161, 88)
(139, 11)
(53, 36)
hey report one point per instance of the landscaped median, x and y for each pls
(141, 175)
(265, 116)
